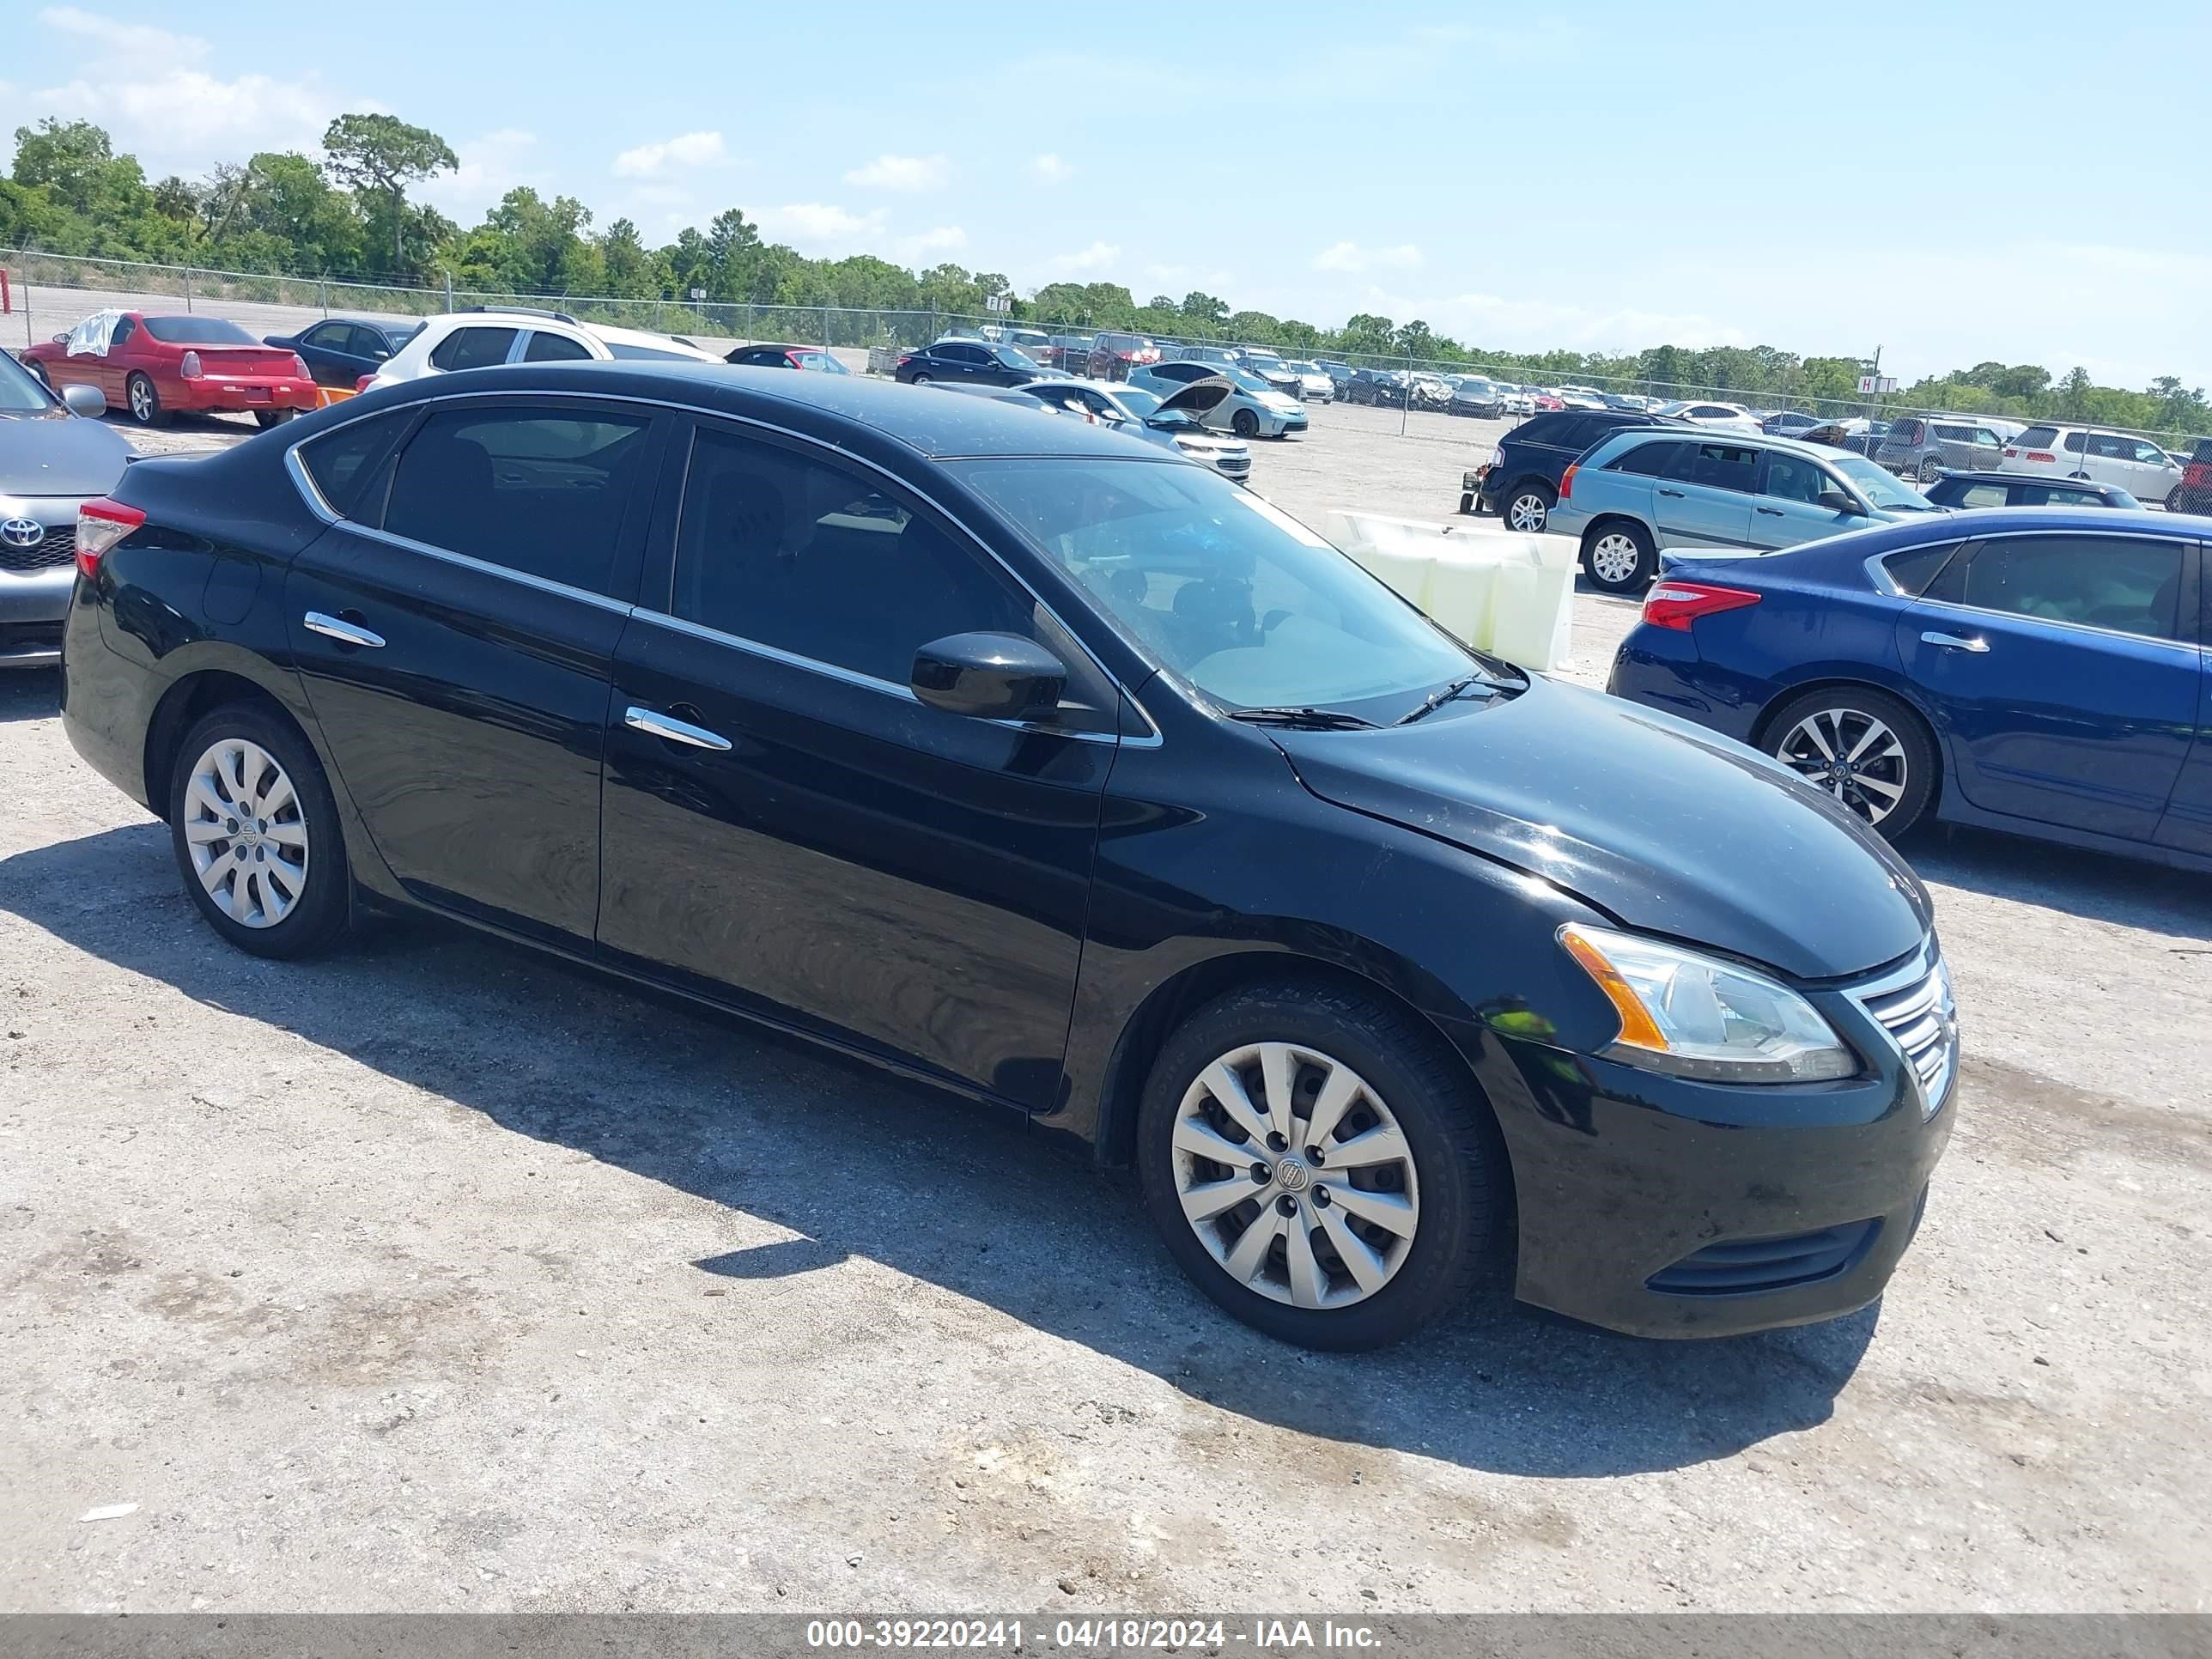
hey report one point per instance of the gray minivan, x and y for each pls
(1646, 488)
(1927, 446)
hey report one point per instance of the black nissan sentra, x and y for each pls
(1033, 762)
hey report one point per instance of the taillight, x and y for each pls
(1567, 481)
(904, 361)
(99, 524)
(300, 371)
(2012, 454)
(1677, 604)
(2041, 455)
(362, 383)
(190, 368)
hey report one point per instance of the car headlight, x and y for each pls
(1696, 1016)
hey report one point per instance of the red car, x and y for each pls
(156, 366)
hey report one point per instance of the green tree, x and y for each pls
(382, 155)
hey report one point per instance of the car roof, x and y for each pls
(2044, 479)
(920, 420)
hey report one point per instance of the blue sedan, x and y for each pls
(2047, 672)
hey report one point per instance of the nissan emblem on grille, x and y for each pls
(23, 532)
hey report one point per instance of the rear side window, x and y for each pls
(1980, 494)
(1907, 432)
(1914, 570)
(544, 348)
(472, 348)
(2129, 585)
(539, 489)
(1725, 466)
(342, 462)
(2038, 437)
(2076, 443)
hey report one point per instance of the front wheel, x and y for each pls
(256, 834)
(1866, 748)
(1618, 557)
(1322, 1167)
(1244, 424)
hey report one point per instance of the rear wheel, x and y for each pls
(144, 402)
(2175, 500)
(920, 379)
(1931, 468)
(1618, 557)
(256, 834)
(1319, 1165)
(1866, 748)
(1528, 508)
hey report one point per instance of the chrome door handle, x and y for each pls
(1676, 494)
(1953, 641)
(1773, 512)
(676, 731)
(344, 632)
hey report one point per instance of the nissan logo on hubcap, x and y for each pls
(1292, 1176)
(23, 532)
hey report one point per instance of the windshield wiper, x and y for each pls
(1309, 720)
(1458, 687)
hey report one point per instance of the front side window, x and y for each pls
(799, 553)
(2150, 454)
(539, 489)
(1793, 478)
(472, 348)
(548, 348)
(1225, 591)
(329, 336)
(2129, 585)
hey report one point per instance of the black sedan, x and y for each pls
(1965, 489)
(339, 350)
(1026, 759)
(814, 358)
(968, 363)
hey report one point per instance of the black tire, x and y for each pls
(2174, 500)
(1457, 1157)
(143, 402)
(919, 379)
(1244, 424)
(1639, 576)
(38, 370)
(1534, 501)
(322, 909)
(1916, 745)
(266, 418)
(1467, 503)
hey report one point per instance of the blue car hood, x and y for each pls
(1666, 827)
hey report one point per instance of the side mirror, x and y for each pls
(990, 677)
(88, 401)
(1834, 501)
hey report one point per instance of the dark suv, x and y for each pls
(2195, 495)
(1520, 481)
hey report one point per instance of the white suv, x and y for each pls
(2136, 464)
(480, 339)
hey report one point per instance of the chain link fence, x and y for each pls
(44, 288)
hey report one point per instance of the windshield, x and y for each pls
(1245, 377)
(20, 394)
(1227, 593)
(1880, 486)
(197, 330)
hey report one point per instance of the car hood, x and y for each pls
(1200, 398)
(1663, 826)
(47, 455)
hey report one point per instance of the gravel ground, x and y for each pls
(435, 1275)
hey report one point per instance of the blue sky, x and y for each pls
(2009, 180)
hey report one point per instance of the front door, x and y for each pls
(457, 649)
(2063, 685)
(1788, 509)
(813, 843)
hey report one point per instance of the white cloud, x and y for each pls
(903, 173)
(1096, 257)
(821, 228)
(1049, 169)
(688, 149)
(491, 166)
(941, 238)
(1350, 257)
(137, 44)
(1209, 280)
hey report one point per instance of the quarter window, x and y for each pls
(343, 461)
(541, 490)
(801, 555)
(1651, 460)
(544, 348)
(2129, 585)
(472, 348)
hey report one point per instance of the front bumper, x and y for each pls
(1660, 1207)
(35, 581)
(1282, 425)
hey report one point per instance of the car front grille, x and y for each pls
(58, 547)
(1922, 1019)
(1737, 1266)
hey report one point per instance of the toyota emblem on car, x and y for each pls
(23, 532)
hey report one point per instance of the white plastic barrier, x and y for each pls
(1511, 595)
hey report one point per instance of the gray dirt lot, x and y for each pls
(434, 1275)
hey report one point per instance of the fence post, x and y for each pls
(825, 330)
(188, 288)
(449, 290)
(323, 293)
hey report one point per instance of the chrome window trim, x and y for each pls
(1151, 738)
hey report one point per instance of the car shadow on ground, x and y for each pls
(29, 694)
(2096, 886)
(858, 1163)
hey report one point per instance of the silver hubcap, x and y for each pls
(247, 834)
(142, 400)
(1852, 756)
(1295, 1175)
(1613, 558)
(1930, 471)
(1527, 512)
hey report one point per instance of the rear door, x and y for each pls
(2188, 821)
(825, 849)
(1786, 509)
(2065, 680)
(2110, 460)
(1705, 501)
(456, 637)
